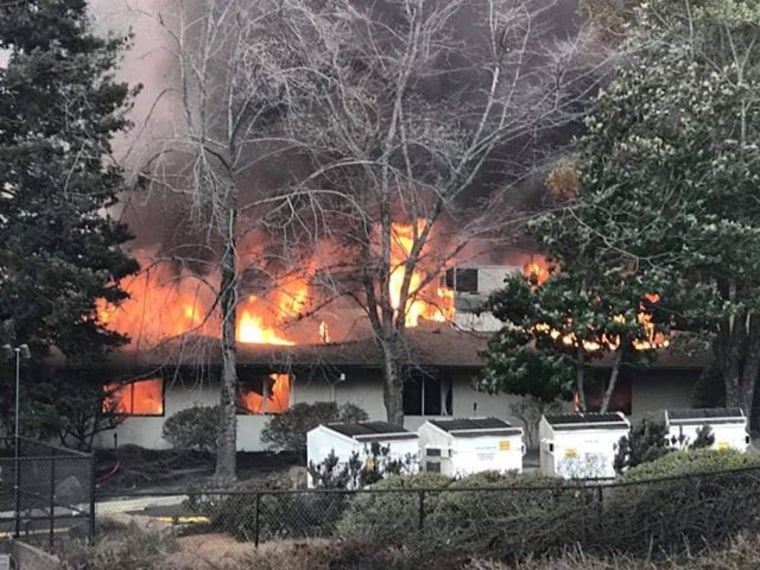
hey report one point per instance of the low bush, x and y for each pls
(392, 514)
(288, 431)
(523, 514)
(647, 441)
(124, 548)
(690, 462)
(195, 428)
(743, 553)
(710, 496)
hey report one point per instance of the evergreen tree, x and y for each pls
(60, 107)
(667, 181)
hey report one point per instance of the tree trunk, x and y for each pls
(393, 383)
(738, 355)
(750, 376)
(226, 453)
(614, 373)
(579, 388)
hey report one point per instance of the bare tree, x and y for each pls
(421, 111)
(378, 127)
(225, 128)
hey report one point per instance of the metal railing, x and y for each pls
(45, 489)
(660, 515)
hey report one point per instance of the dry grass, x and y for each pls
(743, 554)
(131, 547)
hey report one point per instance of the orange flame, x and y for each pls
(274, 400)
(438, 307)
(140, 398)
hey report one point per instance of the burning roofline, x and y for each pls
(437, 345)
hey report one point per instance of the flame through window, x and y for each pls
(138, 398)
(264, 394)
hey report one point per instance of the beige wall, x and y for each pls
(363, 388)
(653, 391)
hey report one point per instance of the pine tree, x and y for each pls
(60, 107)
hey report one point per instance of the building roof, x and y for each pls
(705, 416)
(428, 345)
(372, 431)
(562, 422)
(473, 427)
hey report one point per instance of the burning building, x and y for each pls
(289, 353)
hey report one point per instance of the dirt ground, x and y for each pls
(135, 469)
(222, 552)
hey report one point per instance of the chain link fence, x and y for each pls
(44, 490)
(651, 517)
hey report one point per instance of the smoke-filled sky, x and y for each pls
(149, 63)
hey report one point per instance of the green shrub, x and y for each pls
(389, 516)
(703, 503)
(288, 431)
(705, 438)
(691, 461)
(647, 441)
(373, 465)
(281, 515)
(195, 428)
(522, 514)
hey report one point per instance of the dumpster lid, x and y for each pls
(474, 427)
(587, 421)
(705, 416)
(372, 431)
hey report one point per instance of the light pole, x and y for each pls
(21, 351)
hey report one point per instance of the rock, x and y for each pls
(69, 492)
(298, 476)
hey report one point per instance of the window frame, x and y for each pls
(265, 394)
(445, 391)
(123, 385)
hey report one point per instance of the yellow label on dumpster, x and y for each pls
(505, 445)
(570, 452)
(722, 445)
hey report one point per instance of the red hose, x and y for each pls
(107, 476)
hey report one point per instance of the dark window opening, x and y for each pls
(462, 280)
(424, 395)
(596, 385)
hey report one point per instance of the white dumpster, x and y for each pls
(728, 427)
(344, 440)
(581, 446)
(460, 447)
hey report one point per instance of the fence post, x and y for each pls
(52, 498)
(421, 522)
(91, 529)
(600, 508)
(257, 519)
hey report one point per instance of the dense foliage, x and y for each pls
(60, 106)
(288, 430)
(647, 441)
(195, 428)
(665, 194)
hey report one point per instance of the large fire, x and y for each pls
(164, 304)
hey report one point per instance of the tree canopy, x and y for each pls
(667, 176)
(60, 107)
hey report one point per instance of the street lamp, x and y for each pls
(21, 351)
